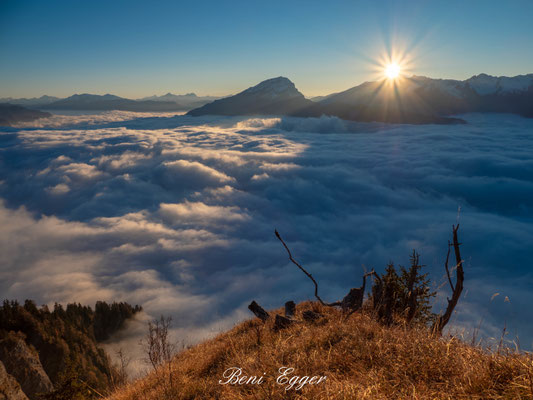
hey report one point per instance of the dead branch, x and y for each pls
(443, 319)
(353, 301)
(337, 303)
(258, 311)
(446, 265)
(413, 293)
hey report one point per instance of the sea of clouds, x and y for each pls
(177, 213)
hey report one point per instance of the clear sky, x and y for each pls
(133, 48)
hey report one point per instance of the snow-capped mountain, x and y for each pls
(413, 100)
(420, 99)
(484, 84)
(276, 96)
(279, 87)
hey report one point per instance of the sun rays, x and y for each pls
(392, 71)
(393, 92)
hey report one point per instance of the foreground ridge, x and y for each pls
(359, 357)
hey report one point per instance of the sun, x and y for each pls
(392, 71)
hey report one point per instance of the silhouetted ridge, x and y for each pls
(276, 96)
(414, 100)
(12, 114)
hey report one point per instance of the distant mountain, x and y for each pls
(93, 102)
(35, 101)
(276, 96)
(11, 114)
(88, 102)
(406, 101)
(421, 100)
(189, 100)
(414, 100)
(319, 98)
(411, 100)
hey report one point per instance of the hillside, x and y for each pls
(12, 114)
(361, 359)
(51, 352)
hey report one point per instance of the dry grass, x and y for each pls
(361, 359)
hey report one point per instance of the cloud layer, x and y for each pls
(177, 213)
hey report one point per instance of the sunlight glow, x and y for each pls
(392, 71)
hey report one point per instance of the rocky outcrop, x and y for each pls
(9, 387)
(23, 364)
(41, 348)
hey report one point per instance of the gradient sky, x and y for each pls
(134, 48)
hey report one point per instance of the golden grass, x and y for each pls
(361, 358)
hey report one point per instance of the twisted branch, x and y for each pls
(443, 319)
(337, 303)
(446, 265)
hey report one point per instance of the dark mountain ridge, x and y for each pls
(413, 100)
(276, 96)
(107, 102)
(12, 114)
(30, 102)
(188, 100)
(92, 102)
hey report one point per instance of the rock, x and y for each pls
(258, 311)
(9, 387)
(24, 365)
(290, 309)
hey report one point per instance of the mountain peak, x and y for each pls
(485, 84)
(274, 87)
(275, 96)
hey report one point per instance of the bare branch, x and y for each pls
(337, 303)
(446, 265)
(353, 301)
(443, 319)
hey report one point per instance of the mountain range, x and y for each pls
(107, 102)
(413, 100)
(189, 100)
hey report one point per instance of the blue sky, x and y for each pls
(134, 48)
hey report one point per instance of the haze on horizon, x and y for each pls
(132, 50)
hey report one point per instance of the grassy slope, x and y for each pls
(361, 359)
